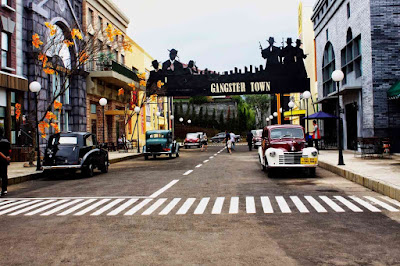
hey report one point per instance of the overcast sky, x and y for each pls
(216, 34)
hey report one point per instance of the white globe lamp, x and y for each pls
(103, 101)
(35, 86)
(337, 75)
(137, 109)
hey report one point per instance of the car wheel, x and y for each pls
(104, 169)
(177, 155)
(154, 156)
(263, 168)
(186, 146)
(89, 170)
(146, 157)
(311, 172)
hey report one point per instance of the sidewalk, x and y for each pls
(17, 173)
(380, 175)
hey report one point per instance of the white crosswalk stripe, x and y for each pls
(219, 202)
(283, 204)
(316, 205)
(202, 206)
(19, 206)
(5, 202)
(122, 207)
(244, 205)
(299, 204)
(266, 204)
(154, 207)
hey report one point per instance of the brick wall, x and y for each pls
(4, 12)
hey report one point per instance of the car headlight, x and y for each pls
(314, 153)
(272, 154)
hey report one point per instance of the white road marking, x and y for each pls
(211, 157)
(107, 207)
(382, 204)
(395, 202)
(154, 207)
(31, 207)
(170, 206)
(199, 165)
(59, 208)
(365, 204)
(234, 207)
(186, 206)
(205, 161)
(76, 207)
(202, 206)
(282, 204)
(188, 172)
(92, 207)
(5, 202)
(266, 204)
(215, 154)
(299, 204)
(348, 204)
(219, 202)
(12, 204)
(332, 204)
(163, 189)
(317, 206)
(46, 207)
(250, 205)
(138, 207)
(122, 207)
(19, 206)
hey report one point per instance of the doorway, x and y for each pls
(351, 122)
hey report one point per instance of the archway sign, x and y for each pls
(284, 73)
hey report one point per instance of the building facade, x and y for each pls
(361, 38)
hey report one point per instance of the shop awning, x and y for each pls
(394, 92)
(294, 113)
(326, 99)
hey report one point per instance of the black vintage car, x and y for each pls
(75, 151)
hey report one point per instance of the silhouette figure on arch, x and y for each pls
(300, 56)
(172, 66)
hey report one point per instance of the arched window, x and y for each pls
(349, 35)
(328, 66)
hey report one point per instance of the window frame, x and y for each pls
(7, 52)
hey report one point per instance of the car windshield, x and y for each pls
(279, 133)
(258, 133)
(157, 136)
(66, 141)
(192, 135)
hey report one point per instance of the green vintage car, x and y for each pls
(160, 142)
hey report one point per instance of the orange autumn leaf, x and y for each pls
(53, 29)
(121, 92)
(153, 97)
(76, 33)
(68, 43)
(50, 115)
(42, 127)
(36, 40)
(83, 57)
(55, 126)
(17, 114)
(117, 32)
(141, 76)
(159, 84)
(49, 71)
(142, 83)
(43, 58)
(132, 85)
(127, 46)
(44, 135)
(17, 106)
(57, 105)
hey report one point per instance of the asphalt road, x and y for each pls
(225, 211)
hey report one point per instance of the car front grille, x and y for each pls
(291, 158)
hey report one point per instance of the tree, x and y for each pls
(200, 119)
(213, 121)
(187, 113)
(221, 123)
(260, 104)
(206, 122)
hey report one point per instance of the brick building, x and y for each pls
(12, 84)
(361, 38)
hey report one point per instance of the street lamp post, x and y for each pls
(307, 95)
(158, 119)
(267, 120)
(35, 87)
(275, 114)
(291, 105)
(171, 117)
(103, 102)
(270, 118)
(137, 111)
(338, 76)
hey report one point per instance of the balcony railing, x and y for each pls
(114, 66)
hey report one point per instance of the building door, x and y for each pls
(351, 122)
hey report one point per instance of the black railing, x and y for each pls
(114, 66)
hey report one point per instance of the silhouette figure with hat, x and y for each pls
(191, 68)
(155, 76)
(172, 66)
(272, 53)
(301, 69)
(288, 53)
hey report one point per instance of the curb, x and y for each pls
(377, 186)
(33, 176)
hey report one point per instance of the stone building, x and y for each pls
(65, 15)
(12, 83)
(361, 38)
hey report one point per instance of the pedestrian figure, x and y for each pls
(204, 143)
(249, 139)
(316, 134)
(232, 135)
(227, 137)
(229, 146)
(5, 150)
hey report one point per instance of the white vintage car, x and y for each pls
(284, 146)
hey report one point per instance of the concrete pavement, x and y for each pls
(380, 175)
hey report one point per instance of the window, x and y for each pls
(90, 17)
(66, 121)
(351, 56)
(89, 141)
(5, 49)
(327, 35)
(122, 59)
(100, 25)
(66, 93)
(93, 108)
(328, 66)
(348, 10)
